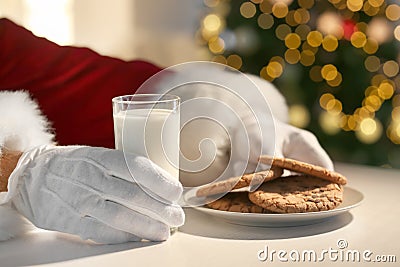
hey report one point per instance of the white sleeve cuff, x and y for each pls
(22, 126)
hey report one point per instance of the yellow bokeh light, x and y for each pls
(396, 33)
(266, 7)
(219, 59)
(274, 69)
(358, 39)
(362, 113)
(378, 79)
(393, 132)
(301, 16)
(393, 12)
(348, 122)
(330, 43)
(391, 68)
(216, 45)
(324, 99)
(371, 46)
(278, 59)
(212, 23)
(396, 114)
(354, 5)
(329, 72)
(299, 116)
(336, 81)
(330, 123)
(282, 31)
(290, 19)
(374, 102)
(292, 56)
(235, 61)
(264, 74)
(302, 30)
(334, 106)
(265, 21)
(306, 3)
(315, 74)
(307, 46)
(385, 90)
(370, 10)
(211, 3)
(307, 58)
(292, 41)
(372, 63)
(280, 9)
(371, 90)
(370, 130)
(396, 101)
(314, 38)
(248, 10)
(375, 3)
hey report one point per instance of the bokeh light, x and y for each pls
(235, 61)
(391, 68)
(265, 21)
(393, 12)
(314, 38)
(282, 31)
(372, 63)
(248, 10)
(280, 9)
(354, 5)
(358, 39)
(330, 43)
(329, 122)
(370, 130)
(292, 56)
(292, 40)
(307, 58)
(379, 29)
(299, 116)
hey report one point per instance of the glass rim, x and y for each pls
(141, 99)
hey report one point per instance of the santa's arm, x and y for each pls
(68, 82)
(22, 127)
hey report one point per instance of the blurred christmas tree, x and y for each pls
(336, 62)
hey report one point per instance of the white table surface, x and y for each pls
(206, 241)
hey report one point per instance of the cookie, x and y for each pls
(294, 194)
(306, 168)
(236, 202)
(236, 182)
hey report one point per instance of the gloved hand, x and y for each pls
(278, 139)
(90, 192)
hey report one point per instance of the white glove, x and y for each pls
(90, 192)
(278, 139)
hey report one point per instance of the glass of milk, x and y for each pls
(148, 125)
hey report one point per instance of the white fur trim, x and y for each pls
(22, 126)
(12, 223)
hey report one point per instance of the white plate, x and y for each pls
(351, 199)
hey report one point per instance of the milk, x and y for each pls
(152, 133)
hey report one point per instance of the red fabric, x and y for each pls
(73, 86)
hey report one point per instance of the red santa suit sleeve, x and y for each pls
(73, 86)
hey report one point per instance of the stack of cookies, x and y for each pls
(314, 189)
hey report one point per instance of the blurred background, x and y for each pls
(336, 61)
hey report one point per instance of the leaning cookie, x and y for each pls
(236, 202)
(236, 182)
(294, 194)
(306, 168)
